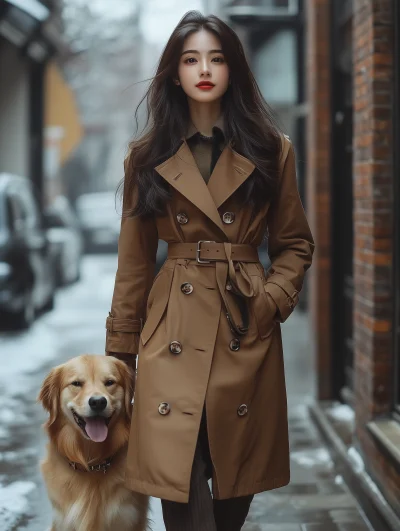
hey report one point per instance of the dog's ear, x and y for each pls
(49, 394)
(129, 379)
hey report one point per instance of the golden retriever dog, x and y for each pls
(89, 403)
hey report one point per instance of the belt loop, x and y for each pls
(228, 249)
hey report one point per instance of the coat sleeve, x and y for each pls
(290, 242)
(137, 249)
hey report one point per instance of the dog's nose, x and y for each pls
(98, 403)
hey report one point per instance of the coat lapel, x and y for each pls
(231, 170)
(181, 172)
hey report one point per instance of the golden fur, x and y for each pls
(86, 500)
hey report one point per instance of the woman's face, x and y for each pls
(202, 61)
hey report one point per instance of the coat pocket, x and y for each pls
(157, 303)
(263, 310)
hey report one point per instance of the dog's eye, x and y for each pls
(109, 382)
(76, 383)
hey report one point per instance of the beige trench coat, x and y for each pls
(244, 390)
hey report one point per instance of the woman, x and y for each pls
(210, 176)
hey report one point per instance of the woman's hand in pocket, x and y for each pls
(274, 306)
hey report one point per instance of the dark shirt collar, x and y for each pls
(219, 124)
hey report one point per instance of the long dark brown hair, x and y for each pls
(250, 126)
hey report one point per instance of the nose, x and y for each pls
(205, 70)
(97, 403)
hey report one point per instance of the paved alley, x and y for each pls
(315, 500)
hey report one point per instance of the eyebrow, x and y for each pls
(197, 51)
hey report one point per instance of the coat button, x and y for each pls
(182, 218)
(164, 408)
(234, 344)
(186, 288)
(175, 347)
(242, 410)
(228, 286)
(228, 217)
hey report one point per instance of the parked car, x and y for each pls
(27, 280)
(64, 232)
(99, 214)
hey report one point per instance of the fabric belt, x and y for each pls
(236, 282)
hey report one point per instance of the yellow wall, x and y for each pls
(61, 110)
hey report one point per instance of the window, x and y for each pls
(16, 215)
(30, 207)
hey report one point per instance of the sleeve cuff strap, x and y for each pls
(284, 294)
(124, 325)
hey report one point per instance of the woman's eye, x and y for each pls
(190, 59)
(109, 383)
(77, 384)
(219, 59)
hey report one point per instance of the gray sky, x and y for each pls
(159, 17)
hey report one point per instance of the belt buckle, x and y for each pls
(198, 259)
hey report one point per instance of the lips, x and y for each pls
(205, 85)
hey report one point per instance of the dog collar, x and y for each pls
(101, 467)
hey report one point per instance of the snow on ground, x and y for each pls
(341, 412)
(22, 353)
(312, 457)
(14, 502)
(80, 311)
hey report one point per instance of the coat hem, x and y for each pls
(171, 494)
(151, 489)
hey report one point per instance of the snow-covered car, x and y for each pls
(64, 232)
(99, 215)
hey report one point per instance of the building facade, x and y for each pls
(353, 94)
(32, 92)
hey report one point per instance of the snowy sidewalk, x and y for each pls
(316, 499)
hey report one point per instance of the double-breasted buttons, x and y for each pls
(182, 218)
(242, 410)
(164, 408)
(186, 288)
(234, 344)
(175, 347)
(228, 217)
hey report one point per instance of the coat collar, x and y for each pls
(182, 173)
(219, 123)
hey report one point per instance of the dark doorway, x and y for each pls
(342, 199)
(396, 173)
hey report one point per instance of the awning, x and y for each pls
(33, 8)
(30, 25)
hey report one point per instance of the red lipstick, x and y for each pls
(205, 85)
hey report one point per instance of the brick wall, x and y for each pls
(372, 45)
(373, 194)
(318, 184)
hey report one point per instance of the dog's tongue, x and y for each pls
(96, 429)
